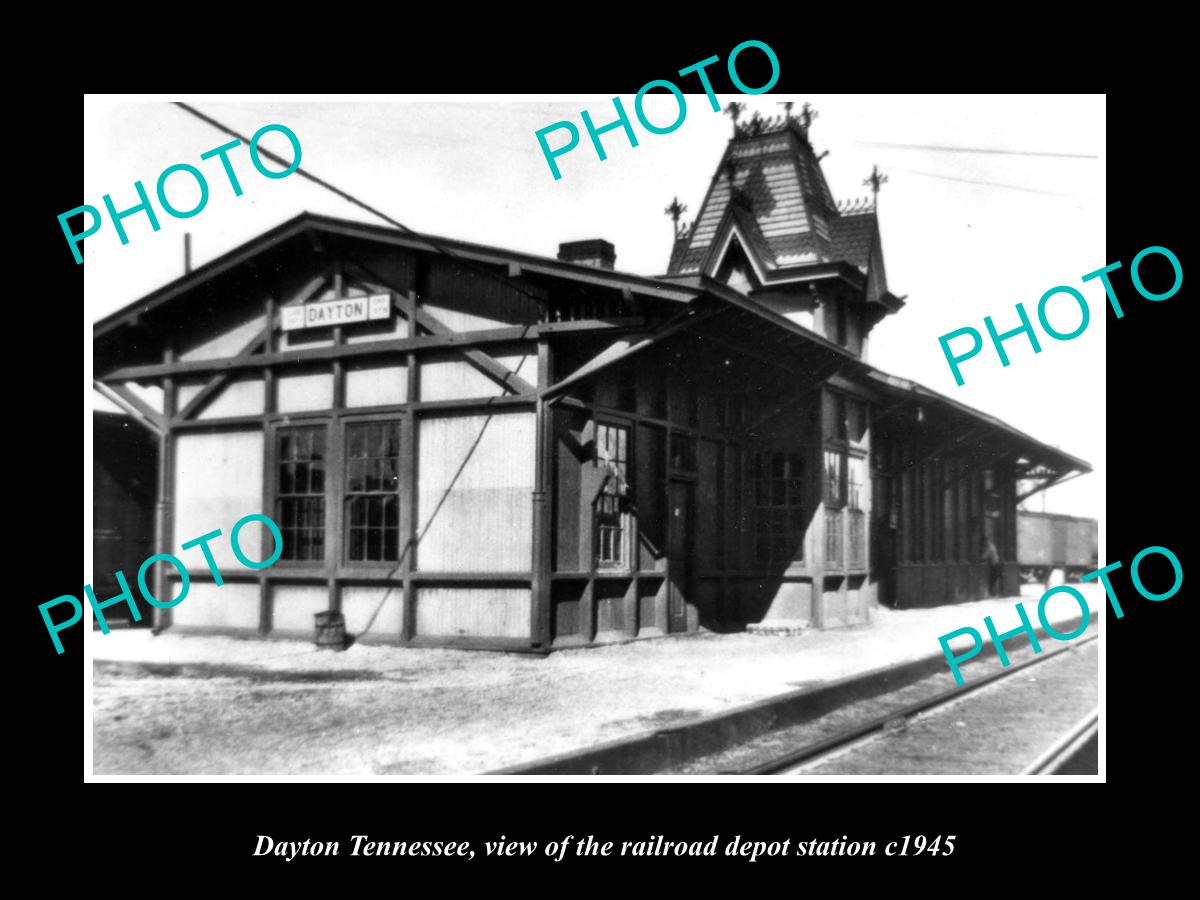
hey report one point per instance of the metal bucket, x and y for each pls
(331, 630)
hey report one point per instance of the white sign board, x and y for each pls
(337, 312)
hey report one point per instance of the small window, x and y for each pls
(612, 506)
(300, 493)
(373, 492)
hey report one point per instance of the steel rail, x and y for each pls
(1066, 748)
(821, 748)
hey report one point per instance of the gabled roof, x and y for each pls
(688, 290)
(306, 226)
(853, 237)
(770, 183)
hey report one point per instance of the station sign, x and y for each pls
(337, 312)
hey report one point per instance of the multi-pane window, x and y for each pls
(847, 418)
(372, 491)
(612, 516)
(856, 476)
(835, 478)
(778, 493)
(300, 492)
(841, 423)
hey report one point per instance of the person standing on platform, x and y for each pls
(991, 556)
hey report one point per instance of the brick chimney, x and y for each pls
(598, 253)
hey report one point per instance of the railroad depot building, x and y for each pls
(468, 446)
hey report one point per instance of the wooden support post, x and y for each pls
(264, 582)
(265, 601)
(163, 519)
(819, 546)
(409, 475)
(543, 533)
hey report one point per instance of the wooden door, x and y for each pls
(679, 552)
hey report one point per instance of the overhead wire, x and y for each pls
(437, 247)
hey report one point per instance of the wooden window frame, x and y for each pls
(276, 431)
(843, 454)
(625, 504)
(344, 426)
(336, 560)
(764, 457)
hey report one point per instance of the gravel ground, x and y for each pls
(177, 704)
(891, 760)
(998, 730)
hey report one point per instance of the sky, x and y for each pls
(990, 201)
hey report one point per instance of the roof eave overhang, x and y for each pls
(310, 223)
(829, 271)
(902, 387)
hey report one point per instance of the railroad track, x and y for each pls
(1070, 752)
(675, 748)
(1062, 755)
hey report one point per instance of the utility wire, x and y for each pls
(437, 248)
(350, 198)
(946, 149)
(1011, 187)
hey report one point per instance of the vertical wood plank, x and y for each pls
(164, 525)
(587, 611)
(268, 506)
(630, 609)
(264, 606)
(817, 448)
(542, 525)
(408, 477)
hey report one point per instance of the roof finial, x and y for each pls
(733, 110)
(876, 180)
(787, 109)
(675, 210)
(806, 117)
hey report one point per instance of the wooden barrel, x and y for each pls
(331, 630)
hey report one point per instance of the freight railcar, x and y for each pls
(1055, 548)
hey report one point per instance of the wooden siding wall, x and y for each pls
(599, 604)
(219, 479)
(728, 587)
(939, 515)
(466, 468)
(473, 509)
(472, 572)
(786, 591)
(232, 607)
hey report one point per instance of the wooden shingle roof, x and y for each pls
(770, 183)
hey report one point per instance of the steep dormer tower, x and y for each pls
(770, 228)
